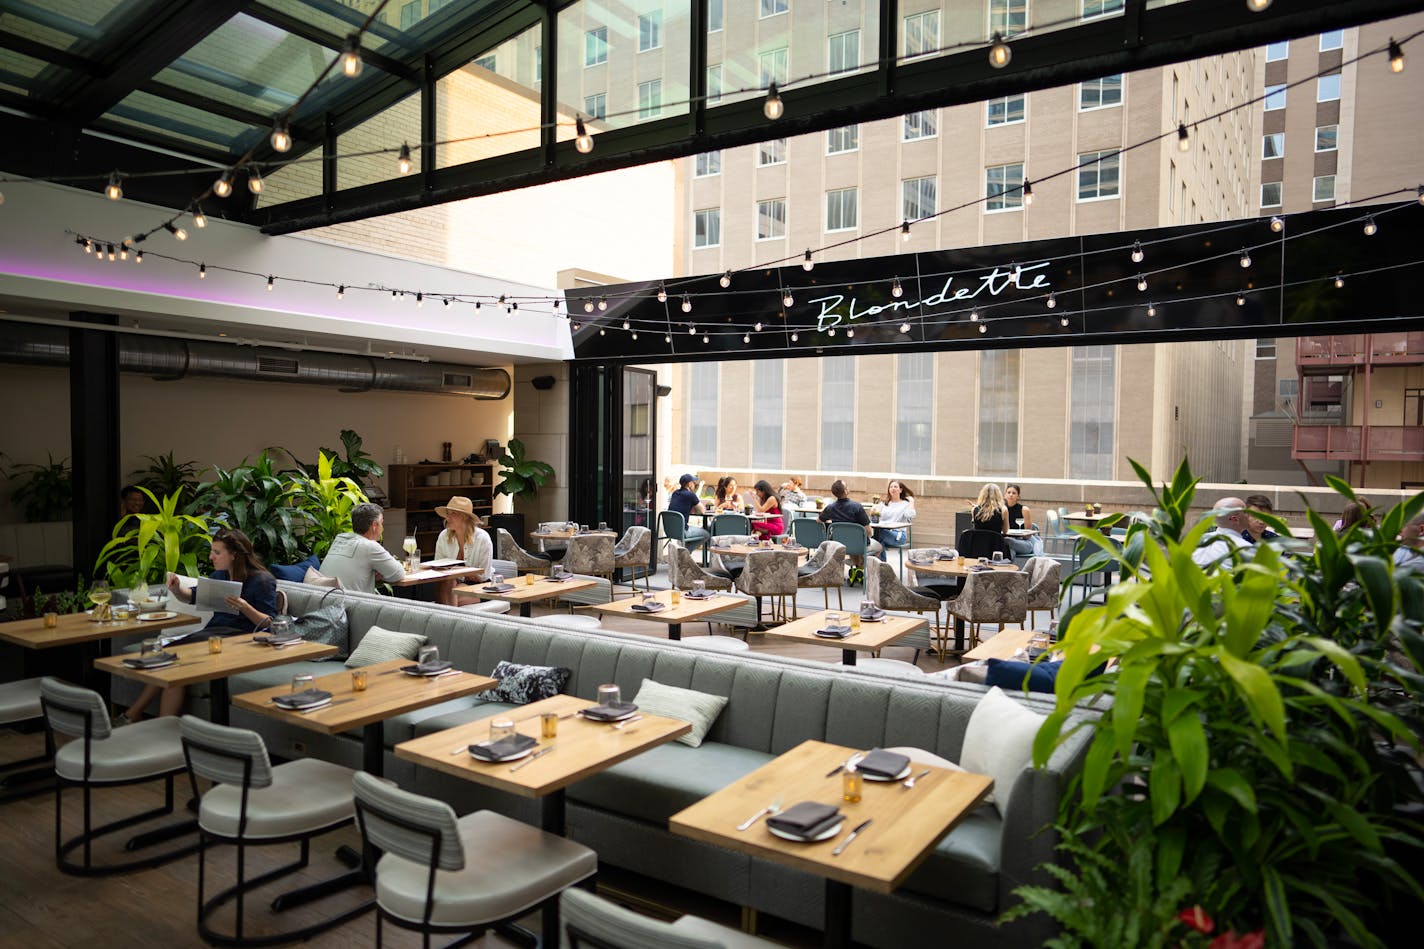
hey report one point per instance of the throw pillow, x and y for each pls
(1010, 674)
(920, 756)
(316, 578)
(380, 645)
(700, 709)
(520, 685)
(999, 742)
(296, 571)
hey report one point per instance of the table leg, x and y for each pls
(218, 702)
(848, 657)
(373, 750)
(525, 609)
(674, 630)
(551, 816)
(838, 906)
(445, 592)
(958, 634)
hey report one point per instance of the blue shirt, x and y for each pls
(682, 501)
(846, 510)
(259, 590)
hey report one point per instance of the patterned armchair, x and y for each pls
(523, 560)
(683, 569)
(771, 573)
(634, 552)
(886, 591)
(825, 569)
(991, 596)
(731, 566)
(590, 554)
(1043, 586)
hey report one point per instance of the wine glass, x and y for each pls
(1019, 521)
(411, 547)
(100, 593)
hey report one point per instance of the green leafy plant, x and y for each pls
(164, 476)
(145, 548)
(1242, 744)
(521, 477)
(327, 500)
(258, 500)
(45, 492)
(357, 464)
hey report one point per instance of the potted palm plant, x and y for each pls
(521, 478)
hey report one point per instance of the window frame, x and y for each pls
(1263, 344)
(1083, 89)
(854, 64)
(646, 113)
(602, 111)
(1105, 8)
(918, 181)
(855, 136)
(1009, 192)
(1275, 47)
(716, 15)
(769, 421)
(1321, 82)
(921, 18)
(1268, 136)
(1315, 189)
(919, 115)
(757, 219)
(1339, 36)
(654, 19)
(782, 147)
(779, 72)
(1274, 91)
(697, 163)
(1336, 138)
(784, 5)
(914, 389)
(1023, 111)
(1280, 194)
(716, 213)
(714, 70)
(1007, 16)
(1096, 168)
(845, 391)
(854, 192)
(598, 34)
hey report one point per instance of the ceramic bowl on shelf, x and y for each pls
(432, 481)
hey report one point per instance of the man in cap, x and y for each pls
(685, 501)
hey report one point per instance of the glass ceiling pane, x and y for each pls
(149, 111)
(623, 63)
(73, 25)
(492, 105)
(828, 41)
(387, 130)
(18, 69)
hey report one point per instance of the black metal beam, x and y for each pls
(206, 104)
(47, 54)
(315, 34)
(1169, 34)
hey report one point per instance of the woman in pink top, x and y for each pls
(767, 503)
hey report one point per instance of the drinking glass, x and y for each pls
(409, 545)
(301, 682)
(100, 593)
(1019, 522)
(833, 619)
(149, 648)
(549, 724)
(497, 579)
(603, 525)
(699, 587)
(851, 785)
(500, 729)
(610, 695)
(529, 579)
(583, 528)
(998, 556)
(676, 597)
(854, 622)
(428, 655)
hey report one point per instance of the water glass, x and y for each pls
(998, 556)
(500, 729)
(149, 648)
(610, 695)
(301, 682)
(833, 619)
(428, 655)
(583, 528)
(699, 587)
(603, 525)
(497, 579)
(549, 724)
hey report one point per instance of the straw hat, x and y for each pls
(459, 504)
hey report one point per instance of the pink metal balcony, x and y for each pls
(1316, 353)
(1395, 443)
(1397, 349)
(1358, 442)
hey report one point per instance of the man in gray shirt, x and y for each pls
(356, 557)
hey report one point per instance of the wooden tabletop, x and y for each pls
(688, 611)
(907, 823)
(75, 628)
(872, 636)
(1002, 645)
(541, 589)
(889, 525)
(435, 576)
(741, 550)
(566, 535)
(583, 747)
(196, 664)
(1085, 518)
(955, 568)
(388, 692)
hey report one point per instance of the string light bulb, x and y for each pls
(271, 281)
(667, 337)
(635, 335)
(254, 180)
(806, 262)
(200, 220)
(725, 280)
(692, 329)
(341, 292)
(1245, 258)
(1278, 223)
(1052, 300)
(1063, 321)
(176, 231)
(138, 257)
(850, 332)
(758, 326)
(1137, 253)
(1141, 282)
(88, 246)
(202, 271)
(281, 137)
(905, 224)
(583, 141)
(795, 337)
(1256, 6)
(223, 186)
(983, 327)
(1421, 194)
(772, 108)
(1184, 138)
(1339, 282)
(1027, 192)
(111, 251)
(1396, 56)
(704, 337)
(1371, 228)
(123, 252)
(974, 316)
(602, 303)
(625, 324)
(787, 299)
(420, 300)
(351, 57)
(831, 331)
(113, 189)
(999, 52)
(686, 303)
(1151, 309)
(904, 327)
(403, 162)
(746, 337)
(896, 290)
(662, 293)
(1240, 299)
(587, 306)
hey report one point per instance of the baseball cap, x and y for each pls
(686, 479)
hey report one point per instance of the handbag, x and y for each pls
(327, 624)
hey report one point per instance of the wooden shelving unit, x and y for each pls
(408, 489)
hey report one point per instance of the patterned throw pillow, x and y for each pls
(700, 709)
(380, 645)
(520, 685)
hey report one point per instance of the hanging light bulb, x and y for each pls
(1184, 138)
(831, 331)
(111, 251)
(341, 292)
(691, 329)
(1052, 300)
(582, 140)
(138, 258)
(1137, 253)
(904, 327)
(223, 186)
(84, 243)
(806, 262)
(446, 301)
(602, 303)
(270, 282)
(1141, 282)
(758, 326)
(556, 306)
(662, 293)
(686, 303)
(113, 189)
(974, 316)
(983, 327)
(602, 331)
(1339, 281)
(1151, 309)
(1063, 321)
(1371, 228)
(795, 337)
(635, 335)
(254, 180)
(1278, 223)
(1421, 194)
(896, 290)
(351, 57)
(177, 232)
(281, 138)
(725, 280)
(1396, 56)
(1256, 6)
(999, 52)
(704, 337)
(403, 162)
(420, 300)
(905, 224)
(1027, 192)
(200, 220)
(202, 271)
(772, 108)
(587, 306)
(123, 252)
(1245, 258)
(787, 299)
(625, 324)
(1240, 299)
(667, 337)
(746, 337)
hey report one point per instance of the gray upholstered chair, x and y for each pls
(523, 560)
(591, 922)
(634, 552)
(1043, 586)
(729, 564)
(20, 702)
(683, 570)
(592, 555)
(425, 883)
(826, 570)
(885, 590)
(103, 756)
(991, 596)
(772, 573)
(252, 803)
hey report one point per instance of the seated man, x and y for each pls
(1256, 528)
(1218, 543)
(1410, 552)
(685, 502)
(844, 510)
(357, 557)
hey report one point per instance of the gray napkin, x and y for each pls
(501, 588)
(503, 748)
(882, 764)
(301, 699)
(833, 632)
(807, 819)
(609, 713)
(648, 607)
(148, 662)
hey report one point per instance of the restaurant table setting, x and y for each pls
(867, 630)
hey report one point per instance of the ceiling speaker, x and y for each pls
(542, 382)
(664, 390)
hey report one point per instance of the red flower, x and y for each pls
(1197, 918)
(1229, 940)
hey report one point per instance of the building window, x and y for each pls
(1327, 88)
(1266, 347)
(921, 33)
(707, 228)
(771, 219)
(914, 412)
(650, 99)
(595, 106)
(843, 52)
(714, 83)
(702, 414)
(708, 164)
(1287, 389)
(771, 152)
(768, 395)
(1273, 145)
(487, 62)
(1171, 185)
(1098, 178)
(918, 198)
(1275, 97)
(1008, 16)
(773, 7)
(714, 16)
(1004, 111)
(999, 412)
(410, 14)
(1096, 8)
(918, 125)
(837, 413)
(1100, 93)
(841, 208)
(650, 30)
(1324, 188)
(844, 139)
(1090, 428)
(1334, 39)
(771, 67)
(595, 46)
(1270, 194)
(1004, 187)
(1277, 51)
(1327, 138)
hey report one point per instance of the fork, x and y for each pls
(910, 782)
(770, 810)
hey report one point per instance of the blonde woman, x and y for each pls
(462, 538)
(991, 512)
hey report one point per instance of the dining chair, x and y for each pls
(826, 570)
(591, 922)
(254, 804)
(731, 524)
(852, 537)
(20, 702)
(523, 560)
(976, 542)
(991, 596)
(772, 573)
(634, 552)
(1043, 586)
(104, 756)
(672, 526)
(884, 589)
(684, 570)
(808, 531)
(730, 564)
(591, 555)
(443, 874)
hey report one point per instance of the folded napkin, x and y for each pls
(880, 763)
(653, 607)
(807, 819)
(562, 578)
(429, 668)
(980, 568)
(704, 595)
(872, 616)
(498, 588)
(273, 640)
(609, 713)
(944, 557)
(304, 699)
(148, 662)
(504, 748)
(833, 632)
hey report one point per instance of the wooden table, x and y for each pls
(567, 535)
(524, 594)
(444, 578)
(75, 629)
(741, 550)
(584, 748)
(1089, 520)
(389, 692)
(1002, 645)
(688, 611)
(907, 823)
(871, 637)
(195, 664)
(956, 568)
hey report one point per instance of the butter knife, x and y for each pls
(853, 834)
(530, 760)
(854, 759)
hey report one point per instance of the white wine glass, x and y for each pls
(1020, 522)
(100, 593)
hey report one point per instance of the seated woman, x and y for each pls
(1020, 517)
(728, 498)
(767, 503)
(991, 513)
(793, 493)
(233, 559)
(899, 506)
(461, 539)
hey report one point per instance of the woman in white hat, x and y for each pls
(462, 538)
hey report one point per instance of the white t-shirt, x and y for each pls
(1217, 545)
(477, 553)
(897, 511)
(356, 560)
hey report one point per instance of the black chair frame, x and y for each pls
(28, 776)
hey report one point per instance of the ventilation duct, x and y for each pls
(169, 359)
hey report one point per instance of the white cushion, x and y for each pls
(145, 749)
(889, 667)
(724, 936)
(305, 795)
(381, 645)
(716, 643)
(486, 606)
(574, 621)
(920, 756)
(20, 701)
(510, 868)
(316, 578)
(699, 708)
(999, 742)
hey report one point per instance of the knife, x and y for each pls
(530, 760)
(853, 834)
(852, 760)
